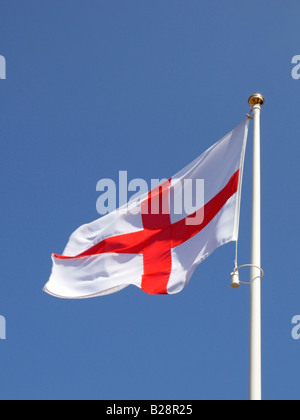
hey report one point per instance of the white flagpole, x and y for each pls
(256, 101)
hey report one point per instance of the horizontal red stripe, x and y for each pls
(129, 243)
(158, 226)
(181, 232)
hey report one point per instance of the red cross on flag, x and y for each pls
(152, 242)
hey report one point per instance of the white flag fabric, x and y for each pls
(154, 243)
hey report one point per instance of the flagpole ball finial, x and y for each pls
(256, 99)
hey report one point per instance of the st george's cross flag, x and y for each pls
(149, 243)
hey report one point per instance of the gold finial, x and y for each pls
(256, 99)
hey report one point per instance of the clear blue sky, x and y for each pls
(94, 87)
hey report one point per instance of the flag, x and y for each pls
(154, 243)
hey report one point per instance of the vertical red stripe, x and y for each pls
(157, 251)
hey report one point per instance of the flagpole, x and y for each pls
(256, 102)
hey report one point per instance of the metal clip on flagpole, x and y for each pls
(235, 276)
